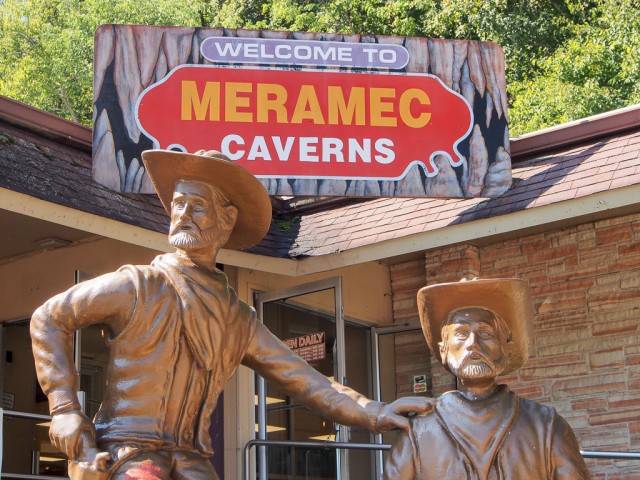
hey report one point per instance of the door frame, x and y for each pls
(260, 298)
(376, 333)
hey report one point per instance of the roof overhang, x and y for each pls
(562, 214)
(605, 203)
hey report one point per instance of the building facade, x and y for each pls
(347, 272)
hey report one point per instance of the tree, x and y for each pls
(566, 59)
(47, 46)
(595, 70)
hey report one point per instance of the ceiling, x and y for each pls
(22, 235)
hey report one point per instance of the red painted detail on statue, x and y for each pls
(308, 123)
(145, 470)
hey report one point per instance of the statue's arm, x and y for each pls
(272, 359)
(566, 459)
(108, 299)
(400, 463)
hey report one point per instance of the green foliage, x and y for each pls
(566, 59)
(392, 17)
(47, 46)
(286, 225)
(595, 70)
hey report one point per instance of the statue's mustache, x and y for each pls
(478, 355)
(180, 225)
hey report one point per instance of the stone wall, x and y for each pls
(585, 282)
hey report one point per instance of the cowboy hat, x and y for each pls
(245, 191)
(508, 298)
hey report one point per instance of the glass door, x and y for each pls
(309, 319)
(404, 367)
(24, 432)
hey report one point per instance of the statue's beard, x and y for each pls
(480, 369)
(192, 239)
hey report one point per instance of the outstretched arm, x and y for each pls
(287, 371)
(107, 299)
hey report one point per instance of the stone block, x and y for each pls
(606, 358)
(631, 281)
(604, 383)
(632, 359)
(613, 233)
(506, 262)
(593, 403)
(615, 327)
(556, 371)
(614, 417)
(633, 249)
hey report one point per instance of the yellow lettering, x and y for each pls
(405, 107)
(379, 105)
(271, 98)
(233, 100)
(341, 112)
(193, 103)
(307, 106)
(345, 105)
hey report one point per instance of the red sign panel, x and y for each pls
(320, 124)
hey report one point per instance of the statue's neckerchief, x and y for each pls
(204, 304)
(478, 427)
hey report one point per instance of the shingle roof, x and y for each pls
(573, 172)
(48, 166)
(49, 170)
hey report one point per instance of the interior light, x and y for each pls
(329, 438)
(270, 400)
(272, 428)
(51, 459)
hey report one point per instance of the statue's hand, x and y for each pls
(73, 434)
(95, 470)
(394, 415)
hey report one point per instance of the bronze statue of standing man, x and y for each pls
(483, 431)
(176, 332)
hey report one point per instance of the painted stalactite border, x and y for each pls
(128, 59)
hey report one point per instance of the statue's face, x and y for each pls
(194, 216)
(472, 345)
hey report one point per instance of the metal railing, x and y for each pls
(328, 445)
(28, 416)
(611, 455)
(31, 477)
(246, 473)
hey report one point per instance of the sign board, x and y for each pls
(308, 114)
(8, 399)
(310, 347)
(419, 384)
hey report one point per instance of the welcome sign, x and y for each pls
(286, 53)
(308, 114)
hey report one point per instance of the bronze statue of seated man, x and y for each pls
(483, 431)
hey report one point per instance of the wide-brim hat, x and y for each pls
(507, 297)
(243, 190)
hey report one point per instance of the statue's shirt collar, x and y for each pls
(478, 427)
(204, 304)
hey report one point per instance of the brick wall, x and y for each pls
(585, 282)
